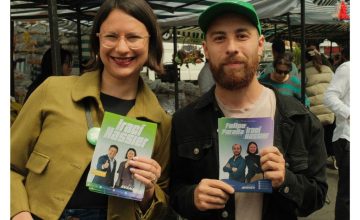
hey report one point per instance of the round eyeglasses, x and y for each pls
(133, 41)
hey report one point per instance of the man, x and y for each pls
(107, 163)
(278, 49)
(296, 165)
(337, 98)
(236, 165)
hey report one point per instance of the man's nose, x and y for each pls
(232, 47)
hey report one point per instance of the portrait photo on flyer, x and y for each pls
(240, 141)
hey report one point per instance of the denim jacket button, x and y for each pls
(287, 165)
(224, 214)
(196, 151)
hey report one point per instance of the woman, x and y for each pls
(280, 79)
(126, 178)
(252, 161)
(318, 78)
(46, 69)
(50, 155)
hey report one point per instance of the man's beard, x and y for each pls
(235, 78)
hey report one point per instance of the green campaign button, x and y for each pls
(93, 135)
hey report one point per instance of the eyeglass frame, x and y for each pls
(119, 38)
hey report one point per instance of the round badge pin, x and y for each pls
(93, 135)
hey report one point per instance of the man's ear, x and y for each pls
(205, 49)
(261, 45)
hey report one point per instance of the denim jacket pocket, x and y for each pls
(297, 160)
(37, 162)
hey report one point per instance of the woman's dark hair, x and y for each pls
(46, 63)
(46, 69)
(257, 149)
(141, 11)
(130, 149)
(282, 59)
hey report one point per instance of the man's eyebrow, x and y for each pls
(242, 30)
(217, 33)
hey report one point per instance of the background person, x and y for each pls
(282, 80)
(278, 49)
(337, 98)
(50, 156)
(318, 78)
(46, 69)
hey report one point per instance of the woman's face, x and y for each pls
(67, 68)
(121, 61)
(252, 148)
(281, 73)
(130, 155)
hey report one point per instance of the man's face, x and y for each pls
(112, 152)
(236, 149)
(233, 47)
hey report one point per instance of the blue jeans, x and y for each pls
(342, 155)
(81, 214)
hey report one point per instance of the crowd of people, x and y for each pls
(50, 155)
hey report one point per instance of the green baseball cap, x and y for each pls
(236, 6)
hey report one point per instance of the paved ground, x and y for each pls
(327, 212)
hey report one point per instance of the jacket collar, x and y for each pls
(206, 99)
(146, 104)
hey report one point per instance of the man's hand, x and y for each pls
(234, 169)
(211, 194)
(273, 164)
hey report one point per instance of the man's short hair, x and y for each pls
(278, 46)
(114, 146)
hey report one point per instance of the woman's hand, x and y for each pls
(147, 171)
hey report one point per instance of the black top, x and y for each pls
(82, 197)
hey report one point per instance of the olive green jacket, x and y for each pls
(49, 150)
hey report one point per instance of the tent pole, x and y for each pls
(289, 31)
(78, 26)
(303, 51)
(54, 38)
(12, 61)
(176, 69)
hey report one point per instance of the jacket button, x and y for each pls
(196, 151)
(224, 214)
(286, 189)
(287, 165)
